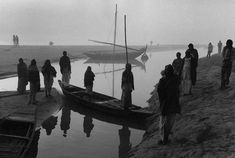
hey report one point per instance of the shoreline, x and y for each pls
(206, 125)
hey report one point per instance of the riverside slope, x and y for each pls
(206, 127)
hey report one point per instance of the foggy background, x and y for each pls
(73, 22)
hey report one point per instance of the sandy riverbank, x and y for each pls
(205, 129)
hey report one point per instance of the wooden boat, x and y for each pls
(103, 103)
(15, 137)
(118, 55)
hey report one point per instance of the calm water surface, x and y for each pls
(72, 133)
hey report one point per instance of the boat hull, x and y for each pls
(103, 103)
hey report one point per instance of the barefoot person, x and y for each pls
(168, 92)
(65, 67)
(34, 79)
(49, 73)
(22, 76)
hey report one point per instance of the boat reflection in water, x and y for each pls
(124, 132)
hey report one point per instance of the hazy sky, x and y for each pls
(75, 21)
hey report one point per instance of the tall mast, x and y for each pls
(114, 42)
(125, 38)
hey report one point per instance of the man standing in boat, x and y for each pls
(88, 80)
(127, 86)
(65, 67)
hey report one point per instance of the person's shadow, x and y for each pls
(65, 120)
(49, 124)
(88, 125)
(125, 145)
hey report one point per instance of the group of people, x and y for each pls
(210, 49)
(15, 40)
(179, 77)
(31, 74)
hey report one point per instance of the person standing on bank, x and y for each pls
(88, 80)
(34, 79)
(127, 86)
(49, 73)
(187, 75)
(210, 49)
(168, 92)
(65, 67)
(228, 55)
(194, 54)
(219, 47)
(22, 72)
(178, 64)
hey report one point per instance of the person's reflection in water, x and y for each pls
(125, 145)
(65, 120)
(87, 125)
(33, 149)
(50, 124)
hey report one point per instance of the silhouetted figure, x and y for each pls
(49, 124)
(49, 73)
(168, 92)
(33, 149)
(219, 47)
(17, 40)
(187, 75)
(210, 49)
(178, 64)
(89, 77)
(228, 54)
(88, 125)
(125, 145)
(34, 79)
(127, 86)
(22, 72)
(65, 120)
(14, 40)
(65, 67)
(194, 54)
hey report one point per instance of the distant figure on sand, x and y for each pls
(22, 76)
(194, 62)
(49, 73)
(228, 55)
(65, 67)
(168, 92)
(17, 40)
(210, 49)
(187, 74)
(34, 79)
(127, 86)
(14, 40)
(88, 80)
(219, 47)
(178, 64)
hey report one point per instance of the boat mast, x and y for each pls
(125, 39)
(114, 43)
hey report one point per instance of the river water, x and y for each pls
(71, 133)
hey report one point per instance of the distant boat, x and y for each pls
(115, 55)
(134, 62)
(118, 55)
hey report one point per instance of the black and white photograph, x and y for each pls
(117, 79)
